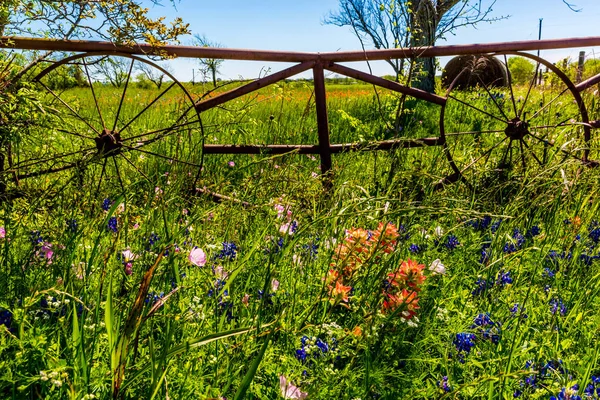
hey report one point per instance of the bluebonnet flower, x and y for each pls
(6, 319)
(36, 238)
(595, 235)
(481, 285)
(567, 394)
(323, 346)
(414, 248)
(311, 249)
(464, 342)
(486, 252)
(533, 232)
(557, 305)
(152, 298)
(480, 224)
(314, 347)
(113, 224)
(592, 390)
(301, 354)
(504, 278)
(587, 260)
(106, 204)
(229, 251)
(516, 244)
(443, 384)
(152, 240)
(72, 225)
(495, 226)
(548, 273)
(488, 329)
(515, 309)
(452, 242)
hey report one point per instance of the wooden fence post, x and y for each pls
(322, 121)
(580, 67)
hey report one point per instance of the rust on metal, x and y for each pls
(253, 86)
(315, 149)
(322, 120)
(387, 84)
(289, 56)
(258, 149)
(588, 83)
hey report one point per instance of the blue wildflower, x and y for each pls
(464, 342)
(533, 232)
(557, 305)
(595, 235)
(443, 384)
(36, 238)
(106, 204)
(414, 248)
(229, 251)
(452, 242)
(113, 224)
(495, 226)
(481, 285)
(72, 225)
(504, 278)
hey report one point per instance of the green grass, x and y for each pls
(80, 324)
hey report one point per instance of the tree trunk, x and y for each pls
(214, 76)
(424, 22)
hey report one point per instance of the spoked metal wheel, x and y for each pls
(528, 127)
(108, 137)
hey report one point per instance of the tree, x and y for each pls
(154, 75)
(209, 66)
(521, 70)
(113, 70)
(409, 23)
(120, 21)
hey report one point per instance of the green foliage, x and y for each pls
(521, 70)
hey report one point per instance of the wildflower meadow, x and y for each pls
(371, 283)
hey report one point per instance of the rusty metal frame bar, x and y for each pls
(288, 56)
(318, 62)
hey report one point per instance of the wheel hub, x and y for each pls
(108, 143)
(517, 129)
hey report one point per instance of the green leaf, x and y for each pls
(241, 393)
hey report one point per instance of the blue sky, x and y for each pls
(297, 26)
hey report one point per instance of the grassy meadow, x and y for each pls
(121, 278)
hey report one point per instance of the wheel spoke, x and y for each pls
(512, 95)
(173, 127)
(118, 174)
(147, 107)
(74, 134)
(162, 156)
(549, 143)
(532, 152)
(483, 155)
(529, 89)
(478, 109)
(503, 161)
(473, 132)
(492, 97)
(548, 104)
(123, 96)
(101, 175)
(522, 155)
(69, 107)
(134, 166)
(31, 163)
(93, 93)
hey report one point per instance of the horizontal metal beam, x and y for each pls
(315, 149)
(386, 83)
(253, 86)
(288, 56)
